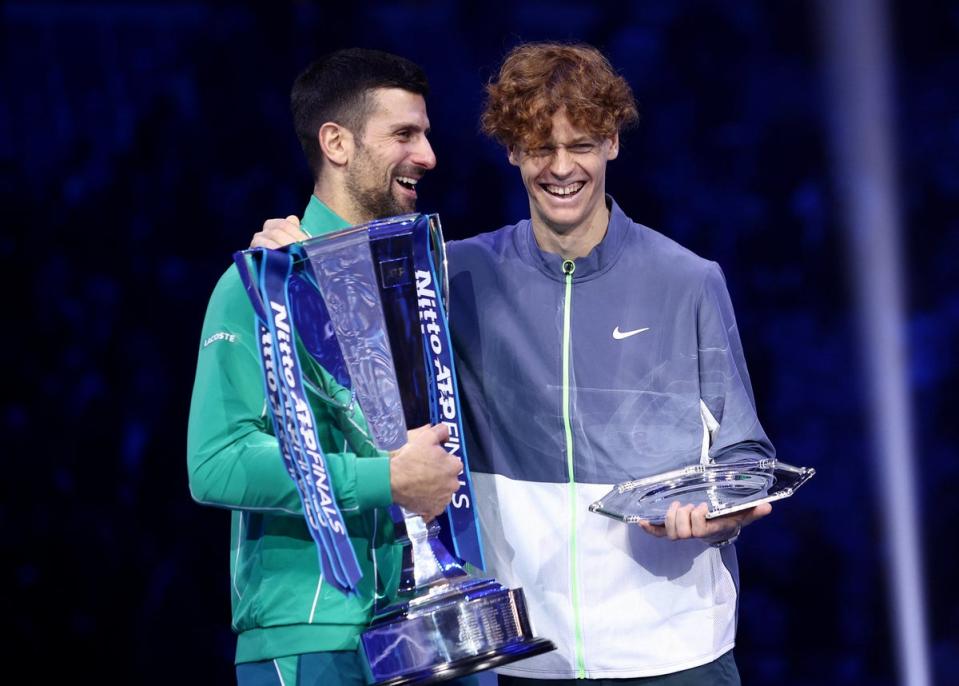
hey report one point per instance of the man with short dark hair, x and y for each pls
(361, 117)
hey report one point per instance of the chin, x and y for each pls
(564, 221)
(404, 206)
(569, 213)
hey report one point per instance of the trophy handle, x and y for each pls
(438, 253)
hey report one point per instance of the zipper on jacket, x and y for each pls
(568, 268)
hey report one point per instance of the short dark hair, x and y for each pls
(336, 88)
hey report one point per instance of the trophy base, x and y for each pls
(455, 629)
(471, 665)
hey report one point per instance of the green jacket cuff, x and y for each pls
(373, 482)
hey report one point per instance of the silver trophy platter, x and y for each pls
(725, 488)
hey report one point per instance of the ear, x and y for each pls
(613, 147)
(512, 155)
(336, 143)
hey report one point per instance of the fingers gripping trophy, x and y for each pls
(380, 290)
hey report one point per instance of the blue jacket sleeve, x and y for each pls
(725, 389)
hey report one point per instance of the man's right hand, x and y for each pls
(423, 476)
(279, 232)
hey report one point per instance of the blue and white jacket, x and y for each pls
(577, 375)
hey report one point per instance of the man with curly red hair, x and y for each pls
(559, 109)
(592, 350)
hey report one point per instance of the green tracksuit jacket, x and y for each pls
(281, 606)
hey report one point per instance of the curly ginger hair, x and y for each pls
(537, 80)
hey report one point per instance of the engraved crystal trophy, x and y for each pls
(369, 305)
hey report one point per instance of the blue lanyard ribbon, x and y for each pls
(444, 395)
(293, 419)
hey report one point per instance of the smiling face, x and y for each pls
(566, 179)
(390, 156)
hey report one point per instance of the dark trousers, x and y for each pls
(332, 668)
(720, 672)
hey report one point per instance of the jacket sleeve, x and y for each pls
(233, 457)
(729, 410)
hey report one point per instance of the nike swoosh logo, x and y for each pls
(620, 335)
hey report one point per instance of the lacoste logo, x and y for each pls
(220, 336)
(620, 335)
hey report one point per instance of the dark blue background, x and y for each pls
(140, 144)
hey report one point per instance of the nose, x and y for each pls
(561, 163)
(423, 155)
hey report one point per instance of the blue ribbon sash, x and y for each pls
(293, 419)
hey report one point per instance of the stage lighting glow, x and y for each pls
(858, 62)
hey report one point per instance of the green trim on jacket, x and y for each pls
(280, 604)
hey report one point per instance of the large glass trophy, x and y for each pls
(368, 303)
(725, 487)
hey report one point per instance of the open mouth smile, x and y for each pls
(563, 190)
(408, 183)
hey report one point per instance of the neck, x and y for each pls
(334, 196)
(571, 242)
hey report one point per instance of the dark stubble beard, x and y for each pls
(373, 201)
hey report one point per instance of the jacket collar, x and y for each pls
(319, 219)
(603, 256)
